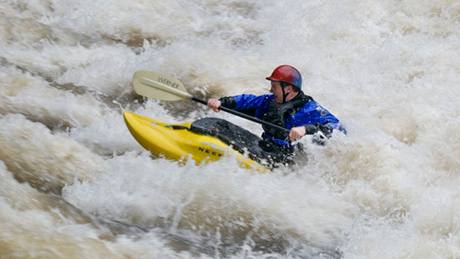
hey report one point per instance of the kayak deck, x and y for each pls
(241, 140)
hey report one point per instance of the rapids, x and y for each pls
(75, 184)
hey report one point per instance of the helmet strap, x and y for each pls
(283, 85)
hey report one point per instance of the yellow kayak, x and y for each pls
(178, 142)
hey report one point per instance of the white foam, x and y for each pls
(389, 70)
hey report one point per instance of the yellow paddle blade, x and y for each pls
(158, 86)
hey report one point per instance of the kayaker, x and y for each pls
(286, 106)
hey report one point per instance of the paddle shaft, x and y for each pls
(240, 114)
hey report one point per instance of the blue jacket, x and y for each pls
(306, 112)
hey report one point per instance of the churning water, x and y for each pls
(75, 184)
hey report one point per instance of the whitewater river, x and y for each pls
(75, 184)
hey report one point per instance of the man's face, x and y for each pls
(277, 91)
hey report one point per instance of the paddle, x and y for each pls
(162, 87)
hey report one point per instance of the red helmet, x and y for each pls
(287, 74)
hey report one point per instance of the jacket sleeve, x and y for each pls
(315, 118)
(246, 103)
